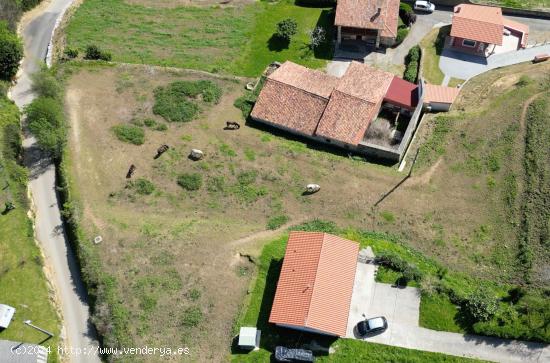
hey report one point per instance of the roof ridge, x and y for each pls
(315, 277)
(301, 89)
(482, 21)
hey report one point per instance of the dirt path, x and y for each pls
(526, 106)
(265, 234)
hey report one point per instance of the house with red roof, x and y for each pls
(316, 283)
(483, 30)
(367, 110)
(373, 22)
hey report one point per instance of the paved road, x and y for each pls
(78, 331)
(401, 307)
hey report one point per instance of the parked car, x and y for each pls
(283, 354)
(372, 326)
(423, 5)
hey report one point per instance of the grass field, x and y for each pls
(229, 39)
(432, 46)
(521, 4)
(258, 304)
(22, 281)
(452, 209)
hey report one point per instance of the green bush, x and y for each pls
(149, 122)
(142, 186)
(71, 53)
(277, 221)
(405, 8)
(411, 72)
(94, 53)
(129, 133)
(401, 35)
(481, 305)
(176, 102)
(161, 127)
(11, 52)
(413, 55)
(190, 182)
(45, 118)
(286, 29)
(12, 142)
(192, 316)
(44, 84)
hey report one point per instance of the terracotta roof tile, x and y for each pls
(316, 282)
(440, 94)
(365, 82)
(289, 107)
(476, 22)
(306, 79)
(363, 14)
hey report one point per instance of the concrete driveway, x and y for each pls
(464, 66)
(401, 307)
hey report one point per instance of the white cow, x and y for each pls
(196, 154)
(312, 188)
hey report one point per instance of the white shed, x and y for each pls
(6, 314)
(439, 98)
(249, 338)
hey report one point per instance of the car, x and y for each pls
(423, 5)
(283, 354)
(372, 326)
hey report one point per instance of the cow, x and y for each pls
(131, 171)
(196, 154)
(312, 188)
(231, 125)
(161, 150)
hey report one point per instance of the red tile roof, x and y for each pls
(341, 109)
(316, 282)
(402, 93)
(363, 14)
(440, 94)
(476, 22)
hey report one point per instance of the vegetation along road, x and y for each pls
(78, 331)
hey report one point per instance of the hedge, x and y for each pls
(401, 35)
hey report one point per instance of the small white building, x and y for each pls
(439, 98)
(249, 338)
(6, 314)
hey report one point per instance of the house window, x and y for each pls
(468, 43)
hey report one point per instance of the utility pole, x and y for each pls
(29, 323)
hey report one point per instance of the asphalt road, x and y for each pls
(78, 333)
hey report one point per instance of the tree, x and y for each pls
(287, 28)
(11, 52)
(316, 37)
(481, 304)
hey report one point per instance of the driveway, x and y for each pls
(401, 307)
(464, 66)
(77, 332)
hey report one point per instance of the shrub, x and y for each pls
(194, 294)
(391, 260)
(46, 121)
(277, 221)
(192, 316)
(412, 273)
(11, 52)
(481, 305)
(161, 127)
(286, 29)
(71, 53)
(190, 181)
(413, 55)
(129, 133)
(94, 53)
(524, 80)
(411, 72)
(401, 35)
(143, 186)
(405, 8)
(44, 84)
(149, 122)
(12, 141)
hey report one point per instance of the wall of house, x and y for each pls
(518, 34)
(439, 107)
(305, 329)
(387, 41)
(457, 44)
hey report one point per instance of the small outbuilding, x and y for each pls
(6, 315)
(249, 338)
(439, 98)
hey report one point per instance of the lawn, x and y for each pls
(229, 39)
(521, 4)
(432, 46)
(258, 305)
(264, 48)
(437, 312)
(22, 281)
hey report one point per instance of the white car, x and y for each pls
(422, 5)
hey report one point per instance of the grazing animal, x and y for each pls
(131, 171)
(231, 125)
(196, 154)
(161, 150)
(312, 188)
